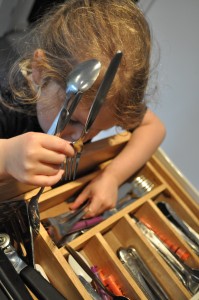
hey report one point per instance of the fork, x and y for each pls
(72, 163)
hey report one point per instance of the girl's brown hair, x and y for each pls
(83, 29)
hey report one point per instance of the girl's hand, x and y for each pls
(36, 158)
(102, 191)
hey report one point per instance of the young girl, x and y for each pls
(74, 32)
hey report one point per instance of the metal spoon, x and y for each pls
(130, 263)
(80, 79)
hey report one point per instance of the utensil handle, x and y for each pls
(86, 223)
(65, 115)
(67, 228)
(52, 129)
(10, 281)
(176, 220)
(148, 276)
(39, 285)
(103, 90)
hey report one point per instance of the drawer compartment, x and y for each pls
(100, 244)
(116, 238)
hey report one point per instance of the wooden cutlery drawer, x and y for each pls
(100, 244)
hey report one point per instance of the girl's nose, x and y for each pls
(72, 132)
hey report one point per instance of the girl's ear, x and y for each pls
(39, 55)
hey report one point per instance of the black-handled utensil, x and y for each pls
(171, 215)
(66, 114)
(103, 90)
(11, 283)
(42, 289)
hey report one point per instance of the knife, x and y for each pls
(103, 90)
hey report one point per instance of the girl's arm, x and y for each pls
(102, 191)
(142, 144)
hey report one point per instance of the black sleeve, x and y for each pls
(13, 123)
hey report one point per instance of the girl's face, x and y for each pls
(50, 103)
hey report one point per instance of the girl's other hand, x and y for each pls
(102, 192)
(36, 158)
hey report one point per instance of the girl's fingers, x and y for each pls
(57, 144)
(46, 156)
(95, 208)
(40, 145)
(85, 195)
(48, 169)
(41, 180)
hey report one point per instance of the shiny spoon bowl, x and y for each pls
(79, 80)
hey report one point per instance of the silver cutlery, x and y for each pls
(142, 185)
(131, 266)
(188, 276)
(193, 246)
(148, 276)
(68, 226)
(172, 216)
(61, 225)
(72, 163)
(79, 80)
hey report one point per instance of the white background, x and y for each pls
(175, 25)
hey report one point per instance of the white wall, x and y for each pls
(175, 25)
(13, 15)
